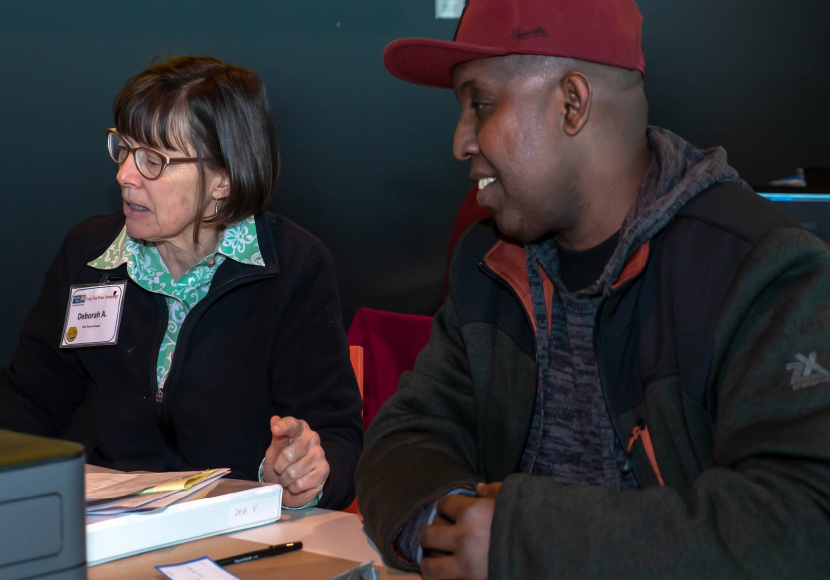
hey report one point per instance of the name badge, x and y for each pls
(93, 315)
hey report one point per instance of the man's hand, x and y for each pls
(462, 536)
(295, 460)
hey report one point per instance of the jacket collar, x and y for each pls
(267, 244)
(508, 261)
(232, 271)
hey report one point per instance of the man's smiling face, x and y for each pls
(510, 128)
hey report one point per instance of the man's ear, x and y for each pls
(578, 97)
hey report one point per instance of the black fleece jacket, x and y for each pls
(264, 341)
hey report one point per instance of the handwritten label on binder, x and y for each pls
(245, 512)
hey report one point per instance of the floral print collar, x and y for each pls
(239, 242)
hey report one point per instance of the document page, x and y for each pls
(115, 485)
(102, 486)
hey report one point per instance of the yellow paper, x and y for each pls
(180, 484)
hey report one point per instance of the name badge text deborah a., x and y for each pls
(98, 303)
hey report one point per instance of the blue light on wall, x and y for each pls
(811, 197)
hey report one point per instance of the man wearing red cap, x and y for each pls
(629, 378)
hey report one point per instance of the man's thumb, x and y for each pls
(488, 490)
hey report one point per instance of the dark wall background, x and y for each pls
(368, 165)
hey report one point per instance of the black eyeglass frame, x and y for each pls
(165, 160)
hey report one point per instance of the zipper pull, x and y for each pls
(636, 433)
(641, 432)
(627, 467)
(159, 396)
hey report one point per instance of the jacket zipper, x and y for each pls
(602, 378)
(640, 431)
(159, 391)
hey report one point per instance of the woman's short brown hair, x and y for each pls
(222, 111)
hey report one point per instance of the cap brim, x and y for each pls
(430, 62)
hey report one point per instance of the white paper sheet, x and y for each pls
(202, 569)
(155, 501)
(115, 485)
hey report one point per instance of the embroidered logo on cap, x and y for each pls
(807, 372)
(519, 34)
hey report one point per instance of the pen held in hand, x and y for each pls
(266, 553)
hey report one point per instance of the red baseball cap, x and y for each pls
(601, 31)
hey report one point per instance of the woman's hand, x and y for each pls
(295, 460)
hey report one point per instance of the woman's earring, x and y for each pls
(216, 208)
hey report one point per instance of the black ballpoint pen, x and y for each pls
(267, 552)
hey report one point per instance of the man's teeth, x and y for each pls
(482, 183)
(138, 207)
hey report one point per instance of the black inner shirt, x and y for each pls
(579, 270)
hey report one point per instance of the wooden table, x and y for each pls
(333, 542)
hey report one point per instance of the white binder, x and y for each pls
(118, 537)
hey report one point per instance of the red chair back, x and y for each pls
(390, 342)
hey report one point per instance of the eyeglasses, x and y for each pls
(150, 163)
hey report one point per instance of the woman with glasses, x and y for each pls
(200, 330)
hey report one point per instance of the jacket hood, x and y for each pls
(678, 172)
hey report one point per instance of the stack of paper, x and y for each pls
(109, 494)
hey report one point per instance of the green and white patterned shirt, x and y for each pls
(147, 269)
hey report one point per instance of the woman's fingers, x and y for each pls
(297, 469)
(282, 428)
(287, 427)
(304, 488)
(295, 459)
(296, 450)
(313, 480)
